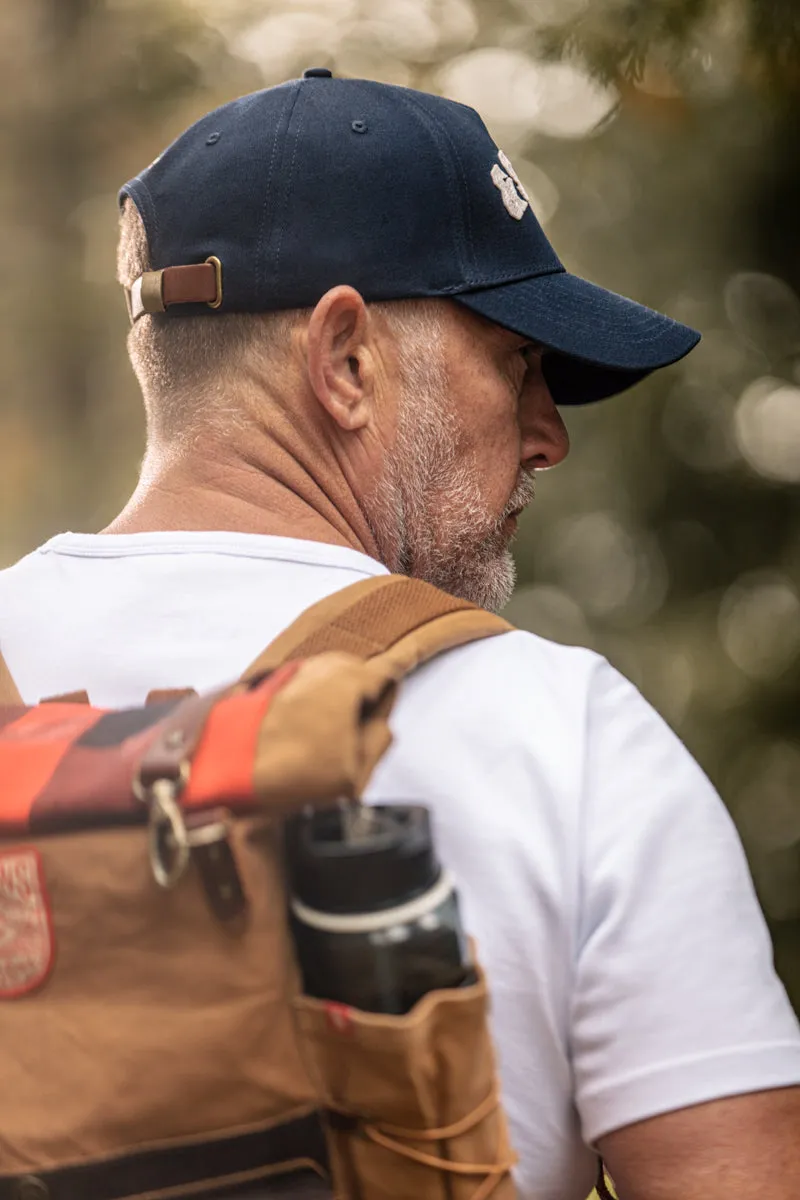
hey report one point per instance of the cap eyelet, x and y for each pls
(359, 126)
(212, 139)
(217, 265)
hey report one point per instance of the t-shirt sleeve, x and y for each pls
(676, 1001)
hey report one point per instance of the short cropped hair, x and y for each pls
(178, 359)
(184, 364)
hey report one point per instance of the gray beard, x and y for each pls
(428, 514)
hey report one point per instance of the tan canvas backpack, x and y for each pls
(153, 1039)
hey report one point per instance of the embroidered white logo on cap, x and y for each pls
(26, 936)
(510, 187)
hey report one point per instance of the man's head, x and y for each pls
(436, 417)
(355, 271)
(449, 416)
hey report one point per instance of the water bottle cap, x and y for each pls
(388, 863)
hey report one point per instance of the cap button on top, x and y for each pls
(317, 73)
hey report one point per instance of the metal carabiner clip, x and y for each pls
(168, 840)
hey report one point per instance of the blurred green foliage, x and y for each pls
(658, 141)
(619, 38)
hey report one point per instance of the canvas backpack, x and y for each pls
(154, 1040)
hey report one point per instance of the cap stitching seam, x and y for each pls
(434, 129)
(467, 203)
(465, 194)
(654, 321)
(478, 285)
(434, 121)
(262, 265)
(262, 223)
(289, 177)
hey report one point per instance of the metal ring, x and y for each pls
(208, 835)
(166, 821)
(212, 258)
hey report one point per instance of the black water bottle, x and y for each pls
(374, 915)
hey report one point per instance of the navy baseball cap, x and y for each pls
(267, 202)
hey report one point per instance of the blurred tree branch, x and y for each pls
(615, 38)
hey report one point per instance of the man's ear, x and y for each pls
(340, 363)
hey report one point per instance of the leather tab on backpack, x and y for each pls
(168, 695)
(81, 697)
(208, 834)
(179, 733)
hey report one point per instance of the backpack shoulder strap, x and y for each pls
(402, 621)
(9, 693)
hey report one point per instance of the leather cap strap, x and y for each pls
(155, 291)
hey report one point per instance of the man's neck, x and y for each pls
(211, 492)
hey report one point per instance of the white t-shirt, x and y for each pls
(630, 969)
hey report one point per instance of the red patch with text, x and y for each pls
(26, 930)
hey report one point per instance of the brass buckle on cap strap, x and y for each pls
(212, 258)
(155, 291)
(145, 295)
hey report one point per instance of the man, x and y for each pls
(365, 337)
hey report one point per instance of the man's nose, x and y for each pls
(545, 441)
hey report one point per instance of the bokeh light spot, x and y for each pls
(767, 425)
(759, 624)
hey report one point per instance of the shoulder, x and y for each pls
(557, 721)
(31, 609)
(518, 679)
(514, 709)
(28, 585)
(14, 578)
(18, 583)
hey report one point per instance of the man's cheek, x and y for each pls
(502, 449)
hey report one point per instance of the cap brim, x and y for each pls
(603, 343)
